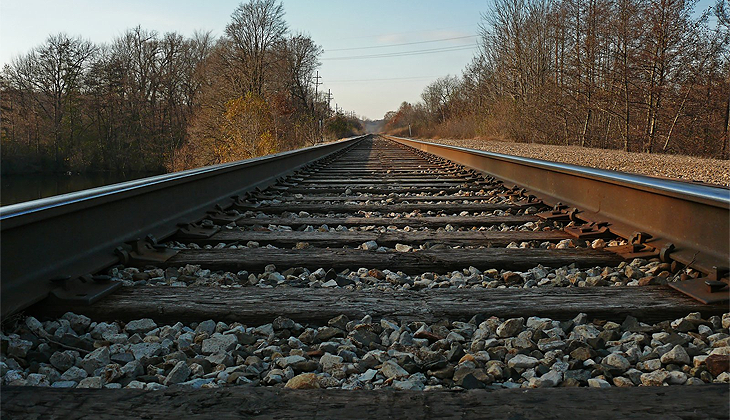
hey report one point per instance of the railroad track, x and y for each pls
(376, 279)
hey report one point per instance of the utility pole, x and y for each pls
(316, 98)
(329, 99)
(316, 84)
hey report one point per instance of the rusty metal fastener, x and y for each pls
(715, 286)
(664, 254)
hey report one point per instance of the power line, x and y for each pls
(382, 80)
(420, 31)
(405, 53)
(405, 43)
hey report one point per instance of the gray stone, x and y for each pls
(35, 326)
(284, 362)
(584, 332)
(37, 379)
(409, 384)
(634, 375)
(330, 283)
(510, 327)
(598, 383)
(207, 327)
(370, 246)
(62, 360)
(122, 358)
(94, 382)
(617, 362)
(74, 373)
(676, 378)
(64, 384)
(548, 380)
(391, 369)
(50, 372)
(178, 374)
(677, 355)
(18, 347)
(79, 323)
(522, 361)
(223, 358)
(96, 359)
(469, 377)
(365, 336)
(329, 362)
(140, 326)
(283, 323)
(14, 377)
(219, 343)
(652, 364)
(195, 383)
(550, 343)
(144, 351)
(104, 329)
(580, 375)
(275, 376)
(655, 378)
(368, 376)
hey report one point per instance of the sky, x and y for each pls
(366, 65)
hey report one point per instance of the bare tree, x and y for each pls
(256, 28)
(55, 72)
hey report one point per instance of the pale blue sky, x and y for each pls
(369, 86)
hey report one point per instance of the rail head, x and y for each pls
(693, 217)
(75, 234)
(44, 207)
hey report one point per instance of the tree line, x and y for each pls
(637, 75)
(151, 102)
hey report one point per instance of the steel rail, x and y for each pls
(693, 217)
(75, 234)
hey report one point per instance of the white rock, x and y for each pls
(403, 248)
(329, 361)
(676, 355)
(140, 326)
(598, 383)
(616, 361)
(94, 382)
(550, 379)
(522, 361)
(391, 369)
(676, 378)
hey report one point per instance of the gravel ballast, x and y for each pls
(485, 352)
(686, 168)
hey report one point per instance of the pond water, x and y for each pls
(18, 188)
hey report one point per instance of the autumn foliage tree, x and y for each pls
(151, 102)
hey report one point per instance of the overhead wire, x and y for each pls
(403, 53)
(382, 79)
(402, 44)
